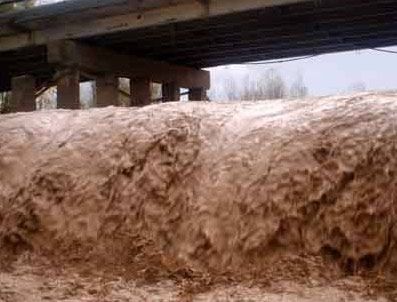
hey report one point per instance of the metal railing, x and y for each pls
(11, 5)
(25, 3)
(4, 2)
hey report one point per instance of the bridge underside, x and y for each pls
(311, 27)
(303, 28)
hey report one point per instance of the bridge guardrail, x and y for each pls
(4, 2)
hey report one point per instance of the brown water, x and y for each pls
(205, 195)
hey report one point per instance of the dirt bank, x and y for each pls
(206, 186)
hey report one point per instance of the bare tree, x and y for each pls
(357, 87)
(231, 89)
(249, 89)
(298, 88)
(265, 86)
(4, 102)
(155, 90)
(274, 86)
(47, 100)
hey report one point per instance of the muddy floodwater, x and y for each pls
(285, 200)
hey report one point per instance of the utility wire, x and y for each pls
(384, 50)
(281, 61)
(309, 57)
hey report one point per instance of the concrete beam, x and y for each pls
(140, 92)
(68, 91)
(171, 92)
(51, 28)
(23, 97)
(197, 94)
(107, 91)
(104, 61)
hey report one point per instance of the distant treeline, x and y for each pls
(265, 85)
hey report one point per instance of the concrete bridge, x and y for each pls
(169, 41)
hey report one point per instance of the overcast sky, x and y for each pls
(328, 74)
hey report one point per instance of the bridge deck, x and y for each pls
(195, 33)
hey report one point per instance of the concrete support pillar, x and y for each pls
(107, 91)
(170, 92)
(197, 94)
(68, 91)
(141, 94)
(23, 94)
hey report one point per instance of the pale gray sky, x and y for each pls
(327, 74)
